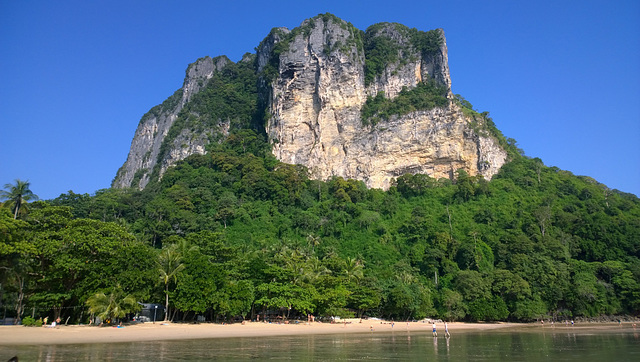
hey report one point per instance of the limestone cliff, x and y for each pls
(317, 98)
(145, 153)
(316, 84)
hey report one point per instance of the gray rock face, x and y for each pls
(314, 82)
(266, 47)
(316, 102)
(413, 66)
(199, 72)
(154, 126)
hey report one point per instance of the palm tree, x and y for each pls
(353, 269)
(313, 241)
(112, 306)
(17, 196)
(169, 265)
(315, 270)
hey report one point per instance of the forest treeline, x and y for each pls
(235, 232)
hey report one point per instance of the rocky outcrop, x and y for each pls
(154, 126)
(316, 103)
(313, 82)
(413, 65)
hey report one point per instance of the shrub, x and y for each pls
(30, 322)
(425, 96)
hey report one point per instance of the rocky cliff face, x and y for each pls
(314, 82)
(144, 155)
(317, 98)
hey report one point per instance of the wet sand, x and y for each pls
(19, 335)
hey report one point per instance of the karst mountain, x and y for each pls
(367, 105)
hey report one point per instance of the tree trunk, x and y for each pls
(450, 226)
(166, 302)
(20, 299)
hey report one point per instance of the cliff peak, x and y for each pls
(369, 105)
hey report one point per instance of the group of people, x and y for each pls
(566, 322)
(54, 324)
(446, 330)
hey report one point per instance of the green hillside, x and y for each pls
(253, 235)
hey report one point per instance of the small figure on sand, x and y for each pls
(446, 330)
(55, 324)
(435, 333)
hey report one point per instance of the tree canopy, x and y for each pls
(234, 233)
(16, 196)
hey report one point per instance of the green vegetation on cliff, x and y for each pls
(483, 125)
(381, 50)
(228, 100)
(425, 96)
(284, 39)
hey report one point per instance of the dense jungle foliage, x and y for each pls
(248, 234)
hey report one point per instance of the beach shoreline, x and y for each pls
(20, 335)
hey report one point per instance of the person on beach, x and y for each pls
(435, 334)
(446, 330)
(54, 323)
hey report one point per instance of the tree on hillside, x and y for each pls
(169, 265)
(353, 269)
(17, 196)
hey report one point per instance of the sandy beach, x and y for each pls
(19, 335)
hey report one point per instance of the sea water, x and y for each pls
(553, 345)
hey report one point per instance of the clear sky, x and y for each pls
(560, 77)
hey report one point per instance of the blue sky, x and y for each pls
(560, 77)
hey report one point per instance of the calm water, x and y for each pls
(619, 345)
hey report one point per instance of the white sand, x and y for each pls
(15, 335)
